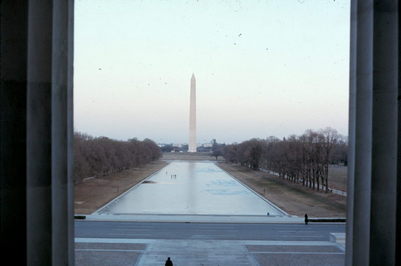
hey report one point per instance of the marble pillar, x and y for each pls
(36, 132)
(374, 135)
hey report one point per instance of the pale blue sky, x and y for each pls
(267, 67)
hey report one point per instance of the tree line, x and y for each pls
(303, 159)
(99, 156)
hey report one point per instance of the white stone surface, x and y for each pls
(192, 116)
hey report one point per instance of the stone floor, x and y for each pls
(111, 251)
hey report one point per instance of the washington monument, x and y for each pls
(192, 116)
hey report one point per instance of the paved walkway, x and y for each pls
(110, 251)
(250, 219)
(133, 243)
(197, 218)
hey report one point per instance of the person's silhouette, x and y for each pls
(168, 262)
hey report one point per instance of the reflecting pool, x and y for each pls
(185, 187)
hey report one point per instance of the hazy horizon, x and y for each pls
(263, 68)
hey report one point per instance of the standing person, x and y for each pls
(306, 218)
(168, 262)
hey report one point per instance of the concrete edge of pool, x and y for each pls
(177, 218)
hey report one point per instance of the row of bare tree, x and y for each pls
(94, 157)
(301, 159)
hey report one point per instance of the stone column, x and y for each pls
(374, 134)
(13, 82)
(37, 131)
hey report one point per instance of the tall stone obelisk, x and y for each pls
(192, 116)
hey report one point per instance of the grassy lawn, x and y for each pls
(292, 198)
(338, 177)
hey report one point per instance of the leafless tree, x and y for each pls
(301, 159)
(95, 157)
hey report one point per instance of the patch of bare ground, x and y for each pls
(93, 193)
(338, 177)
(292, 198)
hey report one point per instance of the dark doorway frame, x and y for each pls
(36, 130)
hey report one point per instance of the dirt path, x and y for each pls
(94, 193)
(292, 198)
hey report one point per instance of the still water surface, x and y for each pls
(185, 187)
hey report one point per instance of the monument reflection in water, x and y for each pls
(184, 187)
